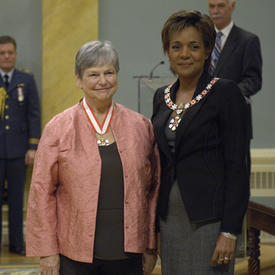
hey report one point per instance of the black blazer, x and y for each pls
(241, 61)
(210, 160)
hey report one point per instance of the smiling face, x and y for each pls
(7, 57)
(221, 11)
(187, 53)
(99, 83)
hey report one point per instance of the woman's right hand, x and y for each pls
(50, 265)
(223, 253)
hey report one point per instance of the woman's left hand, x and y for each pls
(223, 253)
(149, 262)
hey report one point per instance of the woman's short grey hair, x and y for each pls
(95, 53)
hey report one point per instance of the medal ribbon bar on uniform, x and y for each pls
(100, 129)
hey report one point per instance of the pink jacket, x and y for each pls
(63, 199)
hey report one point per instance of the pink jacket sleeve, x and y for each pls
(41, 212)
(153, 194)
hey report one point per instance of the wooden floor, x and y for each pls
(267, 259)
(13, 264)
(9, 258)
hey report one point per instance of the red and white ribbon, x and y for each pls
(100, 129)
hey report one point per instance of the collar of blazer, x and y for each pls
(16, 80)
(191, 112)
(165, 113)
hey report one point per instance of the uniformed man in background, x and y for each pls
(20, 127)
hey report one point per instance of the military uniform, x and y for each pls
(20, 128)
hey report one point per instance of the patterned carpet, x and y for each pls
(19, 269)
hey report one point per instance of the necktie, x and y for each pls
(6, 80)
(216, 52)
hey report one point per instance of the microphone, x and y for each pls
(152, 71)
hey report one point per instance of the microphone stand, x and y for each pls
(140, 77)
(151, 73)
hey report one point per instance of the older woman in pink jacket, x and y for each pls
(95, 181)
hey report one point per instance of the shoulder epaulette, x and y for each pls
(25, 71)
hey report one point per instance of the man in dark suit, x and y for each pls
(237, 55)
(19, 135)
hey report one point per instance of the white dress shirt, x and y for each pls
(225, 31)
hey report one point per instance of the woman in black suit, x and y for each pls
(200, 126)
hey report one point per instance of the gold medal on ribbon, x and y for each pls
(20, 94)
(99, 129)
(3, 96)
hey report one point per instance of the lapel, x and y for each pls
(160, 131)
(161, 121)
(229, 46)
(191, 112)
(14, 80)
(117, 124)
(1, 81)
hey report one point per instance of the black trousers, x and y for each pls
(130, 266)
(14, 171)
